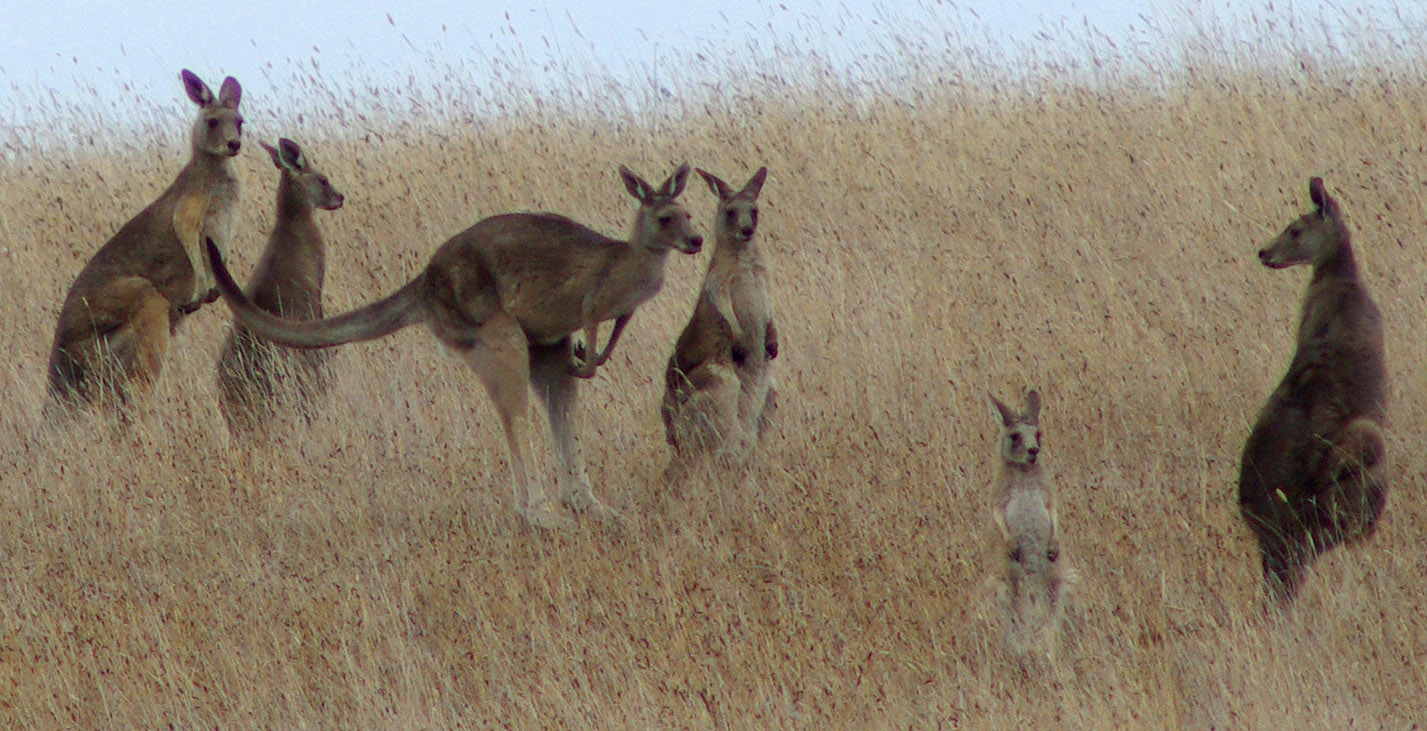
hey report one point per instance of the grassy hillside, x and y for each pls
(927, 245)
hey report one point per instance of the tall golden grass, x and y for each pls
(951, 235)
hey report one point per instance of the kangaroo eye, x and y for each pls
(212, 123)
(1038, 436)
(1052, 555)
(1016, 438)
(753, 214)
(665, 220)
(1016, 554)
(323, 180)
(731, 215)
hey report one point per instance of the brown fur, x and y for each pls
(1313, 469)
(1036, 575)
(506, 295)
(254, 376)
(115, 324)
(718, 385)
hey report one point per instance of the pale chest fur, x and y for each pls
(737, 286)
(219, 221)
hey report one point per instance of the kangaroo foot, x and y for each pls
(585, 503)
(541, 515)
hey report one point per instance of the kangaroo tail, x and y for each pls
(404, 307)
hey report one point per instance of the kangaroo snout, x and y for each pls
(692, 245)
(1032, 453)
(234, 146)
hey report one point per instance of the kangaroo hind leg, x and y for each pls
(552, 380)
(498, 354)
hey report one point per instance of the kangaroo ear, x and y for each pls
(1327, 207)
(754, 186)
(273, 153)
(230, 93)
(636, 185)
(1033, 407)
(291, 154)
(197, 90)
(1007, 416)
(675, 184)
(718, 187)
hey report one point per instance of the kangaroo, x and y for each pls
(1313, 470)
(120, 312)
(506, 295)
(252, 373)
(718, 390)
(1038, 580)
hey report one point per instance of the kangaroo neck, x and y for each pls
(293, 208)
(1340, 265)
(1017, 474)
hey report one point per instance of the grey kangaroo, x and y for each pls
(256, 377)
(1313, 469)
(120, 312)
(717, 385)
(506, 295)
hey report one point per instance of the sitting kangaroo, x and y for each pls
(506, 295)
(255, 376)
(717, 386)
(1036, 575)
(114, 327)
(1313, 470)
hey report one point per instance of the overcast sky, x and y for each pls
(66, 51)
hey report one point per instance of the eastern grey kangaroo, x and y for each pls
(114, 327)
(1036, 574)
(718, 385)
(256, 377)
(506, 294)
(1313, 473)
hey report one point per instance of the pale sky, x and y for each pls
(64, 52)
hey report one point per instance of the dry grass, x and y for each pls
(367, 571)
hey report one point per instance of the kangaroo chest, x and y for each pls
(740, 293)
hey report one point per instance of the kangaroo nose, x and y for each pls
(747, 232)
(234, 146)
(1032, 452)
(1263, 255)
(695, 244)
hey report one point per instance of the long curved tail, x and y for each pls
(383, 317)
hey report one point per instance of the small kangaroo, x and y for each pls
(718, 387)
(1038, 580)
(506, 295)
(1313, 470)
(117, 319)
(254, 376)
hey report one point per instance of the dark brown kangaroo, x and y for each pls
(1313, 470)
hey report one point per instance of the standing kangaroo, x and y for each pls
(252, 373)
(506, 295)
(718, 388)
(119, 314)
(1038, 580)
(1312, 474)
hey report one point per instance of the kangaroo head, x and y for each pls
(312, 185)
(662, 223)
(736, 219)
(1020, 432)
(1312, 238)
(219, 128)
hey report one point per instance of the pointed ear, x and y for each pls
(718, 187)
(273, 153)
(636, 185)
(1033, 407)
(230, 93)
(197, 90)
(1007, 416)
(291, 154)
(1327, 207)
(754, 186)
(675, 184)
